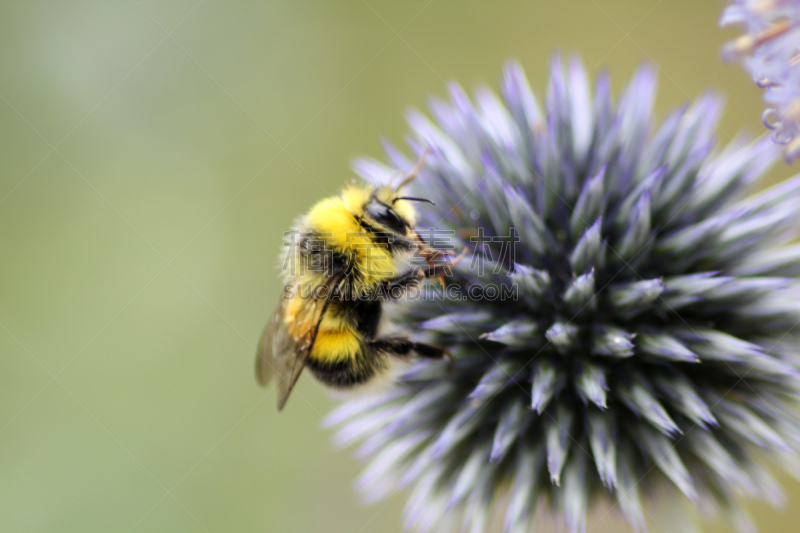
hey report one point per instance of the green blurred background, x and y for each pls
(151, 155)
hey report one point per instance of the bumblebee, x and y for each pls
(351, 255)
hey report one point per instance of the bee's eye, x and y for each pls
(384, 215)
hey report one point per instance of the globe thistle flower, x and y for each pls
(770, 51)
(648, 339)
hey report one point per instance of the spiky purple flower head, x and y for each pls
(770, 51)
(651, 340)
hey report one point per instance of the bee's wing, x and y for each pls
(283, 354)
(280, 355)
(274, 339)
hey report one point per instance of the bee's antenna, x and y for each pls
(414, 171)
(394, 178)
(413, 199)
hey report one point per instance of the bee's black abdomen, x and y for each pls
(341, 374)
(353, 372)
(367, 315)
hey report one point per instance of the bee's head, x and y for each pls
(388, 212)
(384, 215)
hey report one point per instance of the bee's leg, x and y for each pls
(397, 287)
(439, 272)
(431, 351)
(392, 345)
(401, 347)
(444, 269)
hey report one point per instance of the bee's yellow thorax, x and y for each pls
(335, 220)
